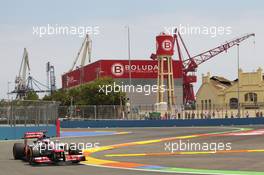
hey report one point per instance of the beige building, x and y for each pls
(217, 91)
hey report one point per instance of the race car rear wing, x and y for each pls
(33, 135)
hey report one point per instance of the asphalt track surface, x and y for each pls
(130, 151)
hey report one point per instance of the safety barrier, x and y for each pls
(159, 123)
(17, 132)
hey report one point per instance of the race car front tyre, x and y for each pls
(31, 154)
(19, 151)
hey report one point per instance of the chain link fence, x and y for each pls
(37, 113)
(92, 112)
(22, 112)
(145, 112)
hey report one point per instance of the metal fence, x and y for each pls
(91, 112)
(23, 112)
(142, 112)
(243, 110)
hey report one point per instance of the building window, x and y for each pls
(251, 97)
(202, 104)
(210, 104)
(205, 104)
(233, 103)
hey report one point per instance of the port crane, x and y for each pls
(25, 83)
(21, 87)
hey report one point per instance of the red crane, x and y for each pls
(190, 65)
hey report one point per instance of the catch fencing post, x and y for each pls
(58, 127)
(95, 112)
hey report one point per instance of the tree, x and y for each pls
(89, 94)
(60, 95)
(31, 95)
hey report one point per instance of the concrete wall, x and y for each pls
(139, 98)
(160, 123)
(7, 132)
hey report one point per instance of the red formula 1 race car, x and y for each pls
(43, 150)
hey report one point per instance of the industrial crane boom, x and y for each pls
(192, 63)
(24, 66)
(85, 49)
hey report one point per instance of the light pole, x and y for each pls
(129, 55)
(8, 83)
(238, 83)
(129, 62)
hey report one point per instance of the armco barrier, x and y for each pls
(17, 132)
(159, 123)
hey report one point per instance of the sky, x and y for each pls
(145, 18)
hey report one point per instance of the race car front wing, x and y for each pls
(68, 158)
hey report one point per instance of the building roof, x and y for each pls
(220, 82)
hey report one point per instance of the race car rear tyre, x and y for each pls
(19, 151)
(75, 152)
